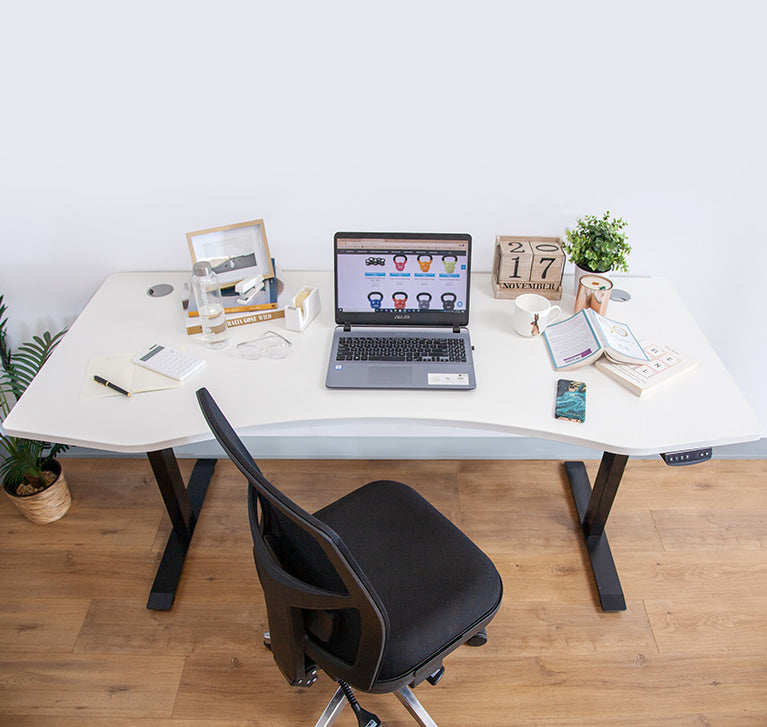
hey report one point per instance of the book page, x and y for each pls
(572, 342)
(618, 339)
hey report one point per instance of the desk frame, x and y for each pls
(183, 504)
(593, 506)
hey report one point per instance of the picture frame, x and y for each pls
(236, 252)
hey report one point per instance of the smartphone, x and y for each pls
(571, 401)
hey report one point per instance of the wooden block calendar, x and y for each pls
(528, 265)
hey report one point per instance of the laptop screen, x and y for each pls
(402, 278)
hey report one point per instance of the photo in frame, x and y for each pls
(235, 251)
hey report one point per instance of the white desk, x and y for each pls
(515, 394)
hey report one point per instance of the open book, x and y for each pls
(586, 336)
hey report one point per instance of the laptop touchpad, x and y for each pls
(390, 375)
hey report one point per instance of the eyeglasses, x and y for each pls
(270, 345)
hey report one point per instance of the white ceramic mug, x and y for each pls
(532, 313)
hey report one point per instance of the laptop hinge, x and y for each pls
(347, 327)
(456, 329)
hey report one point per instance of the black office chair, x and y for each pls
(375, 589)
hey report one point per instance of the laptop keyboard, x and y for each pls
(375, 348)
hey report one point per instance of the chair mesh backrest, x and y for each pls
(318, 600)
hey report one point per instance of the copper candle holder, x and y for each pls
(594, 293)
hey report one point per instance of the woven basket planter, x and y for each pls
(46, 506)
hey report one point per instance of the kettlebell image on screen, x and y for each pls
(375, 297)
(448, 301)
(424, 261)
(449, 262)
(400, 261)
(423, 299)
(399, 298)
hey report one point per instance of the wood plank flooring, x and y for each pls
(78, 646)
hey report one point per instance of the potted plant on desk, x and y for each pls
(597, 245)
(31, 474)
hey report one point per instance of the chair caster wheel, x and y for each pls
(479, 639)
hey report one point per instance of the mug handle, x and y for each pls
(550, 316)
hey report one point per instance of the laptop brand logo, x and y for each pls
(401, 318)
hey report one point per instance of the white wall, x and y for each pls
(121, 131)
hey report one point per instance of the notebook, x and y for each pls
(402, 307)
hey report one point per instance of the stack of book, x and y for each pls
(269, 303)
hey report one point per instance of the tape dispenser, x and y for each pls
(303, 309)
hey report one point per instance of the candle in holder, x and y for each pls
(594, 293)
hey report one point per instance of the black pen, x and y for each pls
(104, 382)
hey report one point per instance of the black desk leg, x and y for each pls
(183, 505)
(593, 510)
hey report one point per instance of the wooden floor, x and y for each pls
(79, 648)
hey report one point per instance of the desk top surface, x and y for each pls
(515, 379)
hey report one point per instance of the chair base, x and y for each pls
(405, 695)
(412, 705)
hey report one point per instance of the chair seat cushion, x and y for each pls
(434, 582)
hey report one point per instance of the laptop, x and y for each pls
(401, 309)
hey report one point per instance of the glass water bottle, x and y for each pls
(210, 305)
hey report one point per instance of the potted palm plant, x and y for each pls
(31, 474)
(597, 245)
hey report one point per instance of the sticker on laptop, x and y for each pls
(448, 379)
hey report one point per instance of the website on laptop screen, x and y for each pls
(403, 279)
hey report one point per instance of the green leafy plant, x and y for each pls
(24, 460)
(598, 244)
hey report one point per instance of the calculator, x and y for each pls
(169, 362)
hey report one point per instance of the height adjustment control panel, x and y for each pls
(690, 456)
